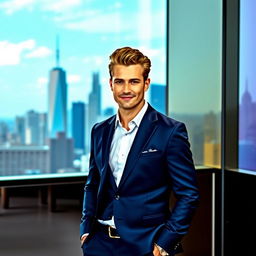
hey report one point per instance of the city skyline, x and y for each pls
(83, 28)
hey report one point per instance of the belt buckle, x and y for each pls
(110, 235)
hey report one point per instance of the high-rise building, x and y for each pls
(94, 106)
(3, 132)
(20, 129)
(157, 97)
(57, 100)
(212, 154)
(97, 91)
(210, 127)
(61, 153)
(247, 118)
(78, 125)
(42, 128)
(32, 128)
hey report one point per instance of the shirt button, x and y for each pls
(117, 197)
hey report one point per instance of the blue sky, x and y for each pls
(89, 31)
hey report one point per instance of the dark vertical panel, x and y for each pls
(230, 85)
(230, 90)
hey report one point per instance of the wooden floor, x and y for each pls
(27, 229)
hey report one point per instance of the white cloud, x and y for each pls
(12, 6)
(39, 52)
(60, 5)
(74, 78)
(11, 53)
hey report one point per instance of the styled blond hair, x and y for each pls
(128, 56)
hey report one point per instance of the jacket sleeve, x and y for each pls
(184, 185)
(90, 193)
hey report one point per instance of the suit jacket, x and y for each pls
(160, 161)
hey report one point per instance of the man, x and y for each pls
(137, 158)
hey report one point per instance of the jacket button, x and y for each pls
(117, 197)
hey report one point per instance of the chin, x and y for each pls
(126, 106)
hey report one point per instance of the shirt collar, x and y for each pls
(137, 119)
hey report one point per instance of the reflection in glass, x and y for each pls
(247, 86)
(195, 75)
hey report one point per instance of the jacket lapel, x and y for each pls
(107, 136)
(107, 139)
(146, 129)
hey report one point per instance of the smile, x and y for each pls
(126, 97)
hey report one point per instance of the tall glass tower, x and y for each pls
(57, 100)
(78, 125)
(94, 106)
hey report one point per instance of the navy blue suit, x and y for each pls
(160, 161)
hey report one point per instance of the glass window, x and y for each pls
(54, 75)
(195, 47)
(247, 86)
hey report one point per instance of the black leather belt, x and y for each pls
(111, 232)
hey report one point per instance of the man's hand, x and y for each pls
(83, 238)
(156, 251)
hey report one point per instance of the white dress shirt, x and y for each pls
(122, 142)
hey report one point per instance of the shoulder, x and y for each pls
(168, 121)
(167, 126)
(164, 120)
(105, 123)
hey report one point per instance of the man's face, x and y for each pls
(128, 86)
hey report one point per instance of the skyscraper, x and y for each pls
(97, 91)
(78, 125)
(94, 105)
(42, 128)
(57, 100)
(61, 153)
(20, 129)
(3, 132)
(32, 128)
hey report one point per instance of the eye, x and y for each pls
(134, 82)
(118, 82)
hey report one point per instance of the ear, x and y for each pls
(147, 83)
(111, 84)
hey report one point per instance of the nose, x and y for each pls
(126, 87)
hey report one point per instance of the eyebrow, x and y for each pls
(131, 79)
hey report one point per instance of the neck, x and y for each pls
(126, 115)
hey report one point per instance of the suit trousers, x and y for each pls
(100, 244)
